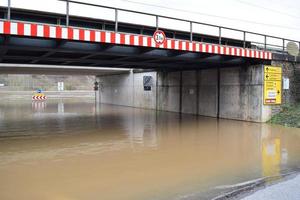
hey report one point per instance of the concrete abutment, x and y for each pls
(230, 93)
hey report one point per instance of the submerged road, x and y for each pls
(70, 149)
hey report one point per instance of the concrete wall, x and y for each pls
(193, 92)
(141, 98)
(241, 93)
(189, 95)
(116, 89)
(168, 91)
(127, 90)
(190, 92)
(208, 92)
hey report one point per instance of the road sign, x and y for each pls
(147, 82)
(272, 85)
(286, 83)
(272, 77)
(272, 69)
(159, 37)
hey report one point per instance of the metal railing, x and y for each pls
(265, 45)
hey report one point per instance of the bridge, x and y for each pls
(189, 72)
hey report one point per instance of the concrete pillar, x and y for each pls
(241, 93)
(144, 98)
(208, 92)
(189, 92)
(128, 90)
(117, 89)
(168, 91)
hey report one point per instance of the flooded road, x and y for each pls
(74, 150)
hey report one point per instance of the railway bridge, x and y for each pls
(210, 73)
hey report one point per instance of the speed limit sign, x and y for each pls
(159, 37)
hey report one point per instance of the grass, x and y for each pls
(289, 116)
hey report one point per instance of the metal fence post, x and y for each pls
(244, 42)
(220, 35)
(116, 20)
(8, 9)
(191, 31)
(265, 44)
(67, 12)
(156, 22)
(283, 42)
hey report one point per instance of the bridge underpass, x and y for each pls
(185, 76)
(205, 84)
(134, 149)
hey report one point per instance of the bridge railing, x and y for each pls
(257, 40)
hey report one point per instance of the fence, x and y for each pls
(257, 40)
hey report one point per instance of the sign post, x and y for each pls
(272, 85)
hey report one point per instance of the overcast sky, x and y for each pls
(274, 17)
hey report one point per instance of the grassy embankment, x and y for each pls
(289, 116)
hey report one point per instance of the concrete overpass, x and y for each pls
(188, 72)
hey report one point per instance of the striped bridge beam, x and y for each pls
(92, 35)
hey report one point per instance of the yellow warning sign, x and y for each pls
(272, 85)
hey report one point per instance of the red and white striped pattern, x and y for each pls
(72, 33)
(39, 97)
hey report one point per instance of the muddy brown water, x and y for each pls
(73, 150)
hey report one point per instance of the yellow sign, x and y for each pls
(273, 70)
(272, 77)
(272, 85)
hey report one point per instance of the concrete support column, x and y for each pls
(241, 93)
(208, 92)
(169, 91)
(128, 90)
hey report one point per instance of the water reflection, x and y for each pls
(76, 150)
(61, 107)
(271, 154)
(38, 106)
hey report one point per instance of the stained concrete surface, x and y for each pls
(239, 91)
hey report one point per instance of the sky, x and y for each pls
(273, 17)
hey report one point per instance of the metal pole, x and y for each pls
(219, 91)
(156, 22)
(116, 20)
(265, 43)
(244, 43)
(8, 10)
(283, 41)
(191, 31)
(220, 35)
(67, 12)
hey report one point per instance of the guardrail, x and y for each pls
(246, 35)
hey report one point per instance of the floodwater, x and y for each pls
(73, 150)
